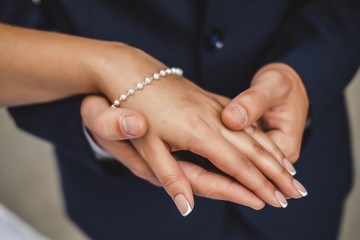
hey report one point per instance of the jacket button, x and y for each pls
(215, 39)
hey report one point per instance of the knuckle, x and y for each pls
(265, 184)
(169, 181)
(243, 165)
(258, 149)
(200, 175)
(198, 178)
(199, 128)
(254, 99)
(198, 123)
(278, 79)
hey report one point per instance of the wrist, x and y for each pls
(118, 67)
(101, 62)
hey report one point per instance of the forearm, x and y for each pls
(38, 66)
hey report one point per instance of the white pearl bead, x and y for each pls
(131, 91)
(123, 97)
(147, 80)
(156, 76)
(140, 85)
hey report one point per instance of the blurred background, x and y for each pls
(30, 188)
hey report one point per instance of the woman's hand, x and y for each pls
(182, 116)
(105, 126)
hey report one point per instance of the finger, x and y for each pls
(231, 161)
(265, 141)
(290, 144)
(286, 128)
(265, 162)
(111, 123)
(168, 173)
(216, 186)
(126, 154)
(222, 100)
(251, 104)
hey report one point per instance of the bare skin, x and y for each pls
(177, 114)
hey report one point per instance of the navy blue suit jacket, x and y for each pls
(220, 45)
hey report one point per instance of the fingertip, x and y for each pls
(183, 205)
(259, 206)
(169, 174)
(255, 202)
(133, 125)
(234, 117)
(294, 156)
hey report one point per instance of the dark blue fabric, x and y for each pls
(319, 39)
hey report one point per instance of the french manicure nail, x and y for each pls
(289, 167)
(240, 114)
(129, 125)
(281, 199)
(182, 204)
(300, 188)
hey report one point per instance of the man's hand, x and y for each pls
(107, 128)
(277, 101)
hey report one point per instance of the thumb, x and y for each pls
(250, 105)
(111, 123)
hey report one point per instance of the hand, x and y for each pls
(278, 102)
(105, 125)
(182, 116)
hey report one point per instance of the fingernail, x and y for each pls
(239, 114)
(281, 199)
(129, 125)
(182, 204)
(300, 188)
(289, 167)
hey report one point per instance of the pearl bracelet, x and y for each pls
(147, 81)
